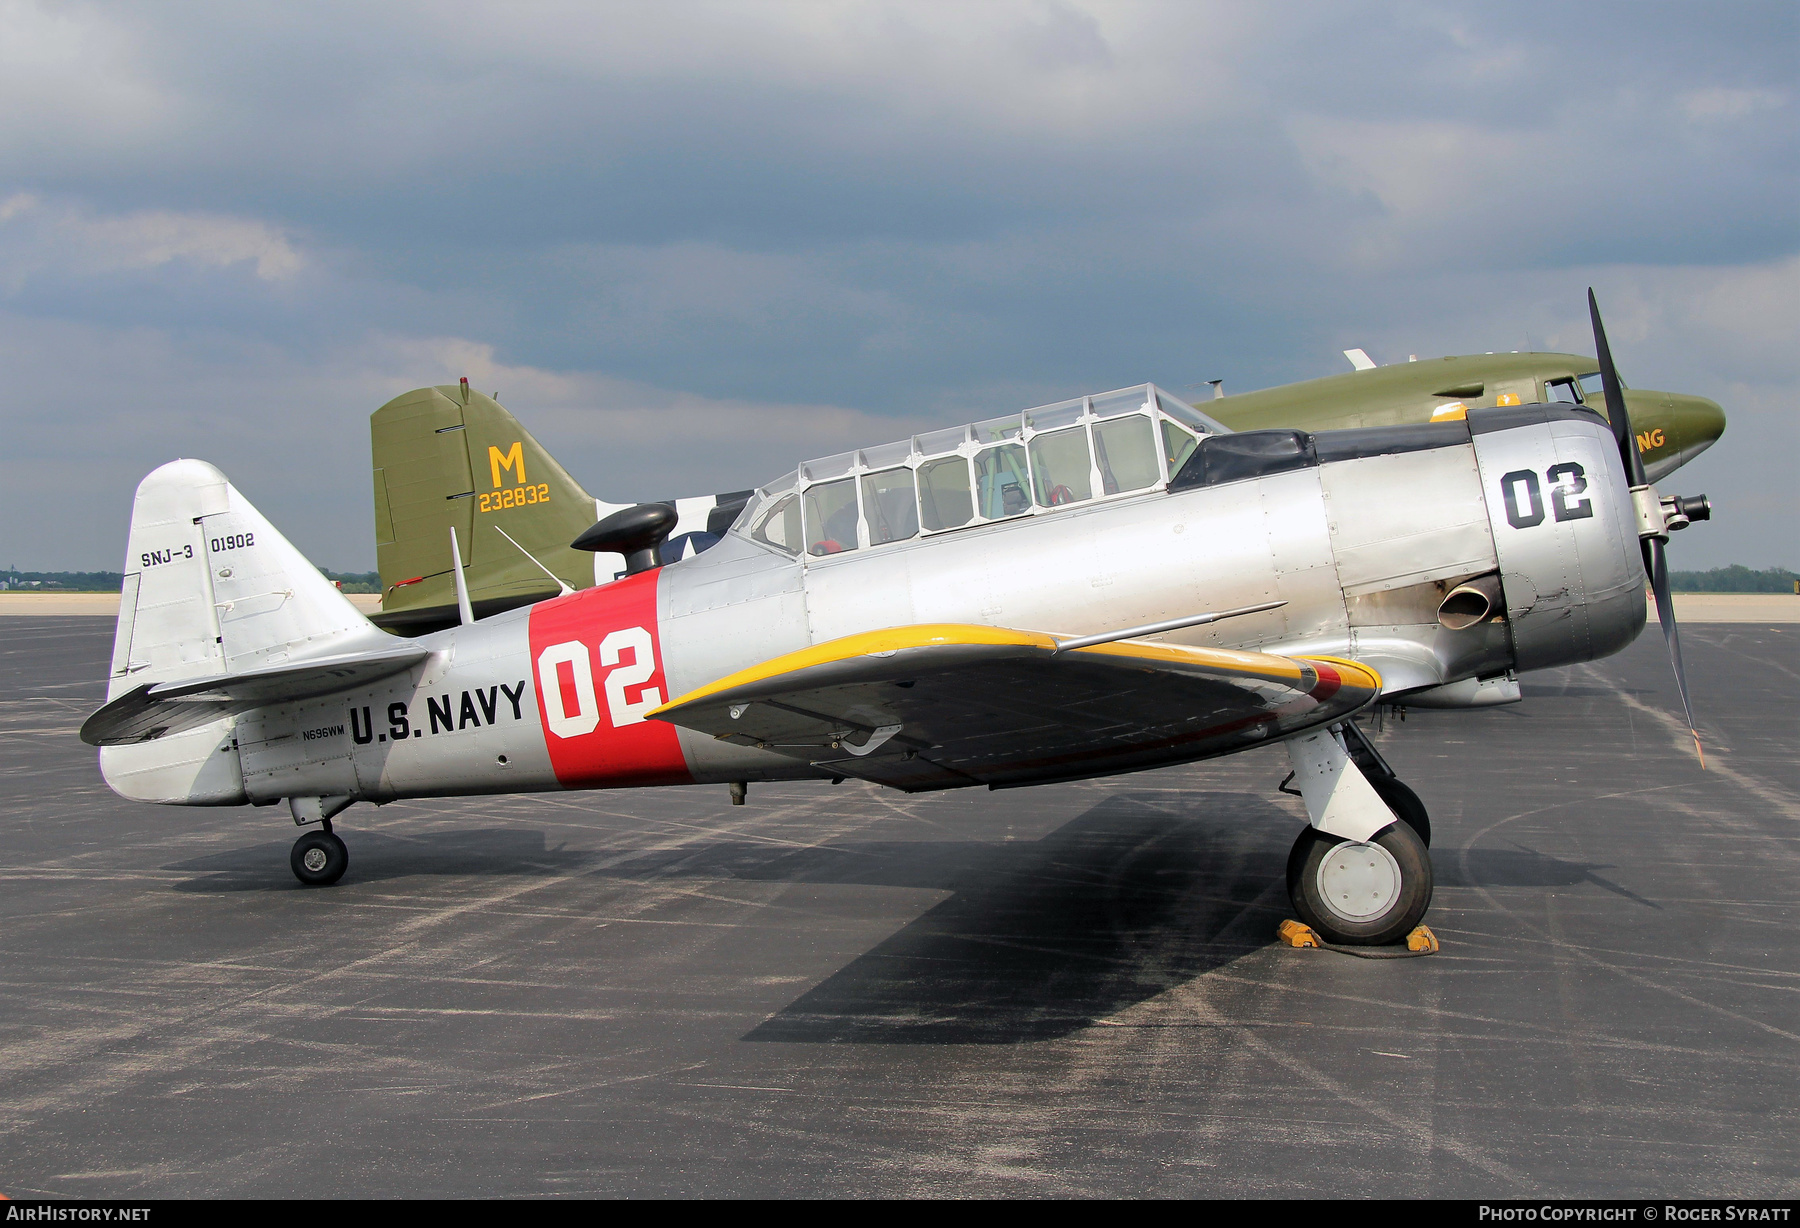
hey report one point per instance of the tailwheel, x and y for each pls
(1405, 804)
(1360, 894)
(319, 859)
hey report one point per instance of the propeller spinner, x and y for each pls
(1653, 524)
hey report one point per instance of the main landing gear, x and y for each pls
(319, 858)
(1357, 893)
(1360, 875)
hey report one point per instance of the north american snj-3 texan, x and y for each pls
(1106, 585)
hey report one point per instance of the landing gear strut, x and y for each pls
(319, 858)
(1360, 874)
(1388, 787)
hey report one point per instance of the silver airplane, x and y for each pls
(1106, 585)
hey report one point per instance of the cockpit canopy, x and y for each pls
(1027, 464)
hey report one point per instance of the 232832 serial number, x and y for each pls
(516, 496)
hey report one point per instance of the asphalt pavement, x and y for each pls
(840, 991)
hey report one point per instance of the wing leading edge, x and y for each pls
(943, 706)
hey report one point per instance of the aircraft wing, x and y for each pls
(941, 706)
(153, 710)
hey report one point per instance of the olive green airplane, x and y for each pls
(451, 458)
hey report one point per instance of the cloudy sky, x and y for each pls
(692, 243)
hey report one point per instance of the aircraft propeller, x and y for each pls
(1653, 525)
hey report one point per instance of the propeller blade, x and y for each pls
(1616, 414)
(1658, 566)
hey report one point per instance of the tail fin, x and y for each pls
(449, 457)
(211, 588)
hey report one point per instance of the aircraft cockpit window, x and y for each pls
(945, 500)
(1178, 445)
(996, 429)
(831, 517)
(1125, 450)
(829, 467)
(1129, 401)
(889, 509)
(779, 524)
(936, 443)
(1061, 468)
(1592, 390)
(1114, 444)
(1562, 392)
(1188, 416)
(1002, 482)
(887, 454)
(1049, 417)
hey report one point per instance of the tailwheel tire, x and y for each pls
(319, 859)
(1405, 804)
(1356, 894)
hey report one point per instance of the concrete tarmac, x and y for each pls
(840, 991)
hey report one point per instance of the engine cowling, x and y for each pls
(1564, 531)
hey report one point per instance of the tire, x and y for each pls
(1405, 804)
(1328, 875)
(319, 859)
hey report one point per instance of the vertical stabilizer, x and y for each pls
(211, 588)
(452, 458)
(168, 627)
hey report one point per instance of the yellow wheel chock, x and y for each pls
(1292, 933)
(1422, 940)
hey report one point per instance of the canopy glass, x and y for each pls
(1038, 462)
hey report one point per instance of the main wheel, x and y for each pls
(319, 859)
(1360, 894)
(1405, 804)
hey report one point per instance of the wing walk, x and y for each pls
(994, 706)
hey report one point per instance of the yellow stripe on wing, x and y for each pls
(1226, 660)
(1354, 673)
(863, 644)
(928, 635)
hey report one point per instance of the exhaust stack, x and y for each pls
(1471, 602)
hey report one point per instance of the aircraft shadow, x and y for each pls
(1142, 893)
(1522, 867)
(1536, 690)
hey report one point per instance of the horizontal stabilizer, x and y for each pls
(157, 709)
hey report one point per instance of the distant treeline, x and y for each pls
(1734, 579)
(66, 581)
(111, 581)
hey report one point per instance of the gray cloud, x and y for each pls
(232, 231)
